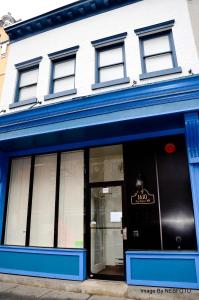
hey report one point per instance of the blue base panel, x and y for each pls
(51, 263)
(176, 269)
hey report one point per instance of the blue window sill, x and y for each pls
(160, 73)
(110, 83)
(60, 94)
(23, 102)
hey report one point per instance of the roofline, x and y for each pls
(61, 16)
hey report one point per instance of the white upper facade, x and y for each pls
(78, 66)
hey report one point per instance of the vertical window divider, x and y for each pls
(27, 241)
(57, 200)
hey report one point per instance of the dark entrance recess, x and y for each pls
(158, 194)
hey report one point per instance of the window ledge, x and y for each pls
(23, 102)
(110, 83)
(60, 94)
(160, 73)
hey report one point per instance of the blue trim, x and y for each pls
(23, 102)
(109, 40)
(160, 73)
(110, 83)
(28, 63)
(4, 170)
(156, 27)
(188, 256)
(61, 16)
(63, 53)
(60, 94)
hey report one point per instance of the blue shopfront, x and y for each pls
(105, 186)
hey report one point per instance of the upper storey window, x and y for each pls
(157, 50)
(110, 62)
(26, 87)
(62, 81)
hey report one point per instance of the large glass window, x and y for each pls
(45, 201)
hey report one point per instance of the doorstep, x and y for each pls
(89, 289)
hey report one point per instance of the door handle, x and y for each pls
(124, 233)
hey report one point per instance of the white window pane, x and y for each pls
(64, 68)
(110, 56)
(3, 48)
(156, 45)
(106, 164)
(64, 84)
(43, 201)
(27, 92)
(28, 77)
(111, 73)
(71, 199)
(157, 63)
(15, 233)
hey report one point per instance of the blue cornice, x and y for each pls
(61, 16)
(143, 96)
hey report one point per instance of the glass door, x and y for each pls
(106, 231)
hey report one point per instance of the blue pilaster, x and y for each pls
(192, 139)
(4, 166)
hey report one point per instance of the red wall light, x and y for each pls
(170, 148)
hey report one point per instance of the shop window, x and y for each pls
(106, 164)
(62, 80)
(110, 64)
(45, 201)
(157, 50)
(26, 87)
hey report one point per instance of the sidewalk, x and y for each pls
(24, 287)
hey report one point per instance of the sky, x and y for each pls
(25, 9)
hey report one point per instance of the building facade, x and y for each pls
(100, 144)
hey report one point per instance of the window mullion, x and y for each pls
(157, 54)
(57, 199)
(30, 201)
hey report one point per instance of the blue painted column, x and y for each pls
(4, 166)
(192, 139)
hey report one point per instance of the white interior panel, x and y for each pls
(64, 68)
(64, 84)
(156, 45)
(111, 73)
(111, 56)
(27, 92)
(157, 63)
(71, 207)
(15, 233)
(43, 201)
(28, 77)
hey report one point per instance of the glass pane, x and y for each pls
(160, 62)
(110, 56)
(71, 200)
(156, 45)
(64, 68)
(27, 92)
(15, 233)
(106, 163)
(111, 73)
(64, 84)
(106, 226)
(43, 201)
(28, 77)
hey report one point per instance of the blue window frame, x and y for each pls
(26, 86)
(110, 61)
(157, 50)
(62, 78)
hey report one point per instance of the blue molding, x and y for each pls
(163, 255)
(60, 94)
(160, 73)
(63, 53)
(155, 28)
(192, 135)
(110, 83)
(109, 40)
(61, 16)
(23, 102)
(28, 63)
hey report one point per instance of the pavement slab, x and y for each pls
(62, 295)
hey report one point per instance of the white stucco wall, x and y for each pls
(193, 6)
(124, 19)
